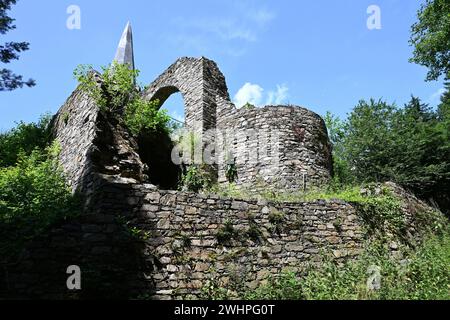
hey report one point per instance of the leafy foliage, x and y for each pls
(33, 196)
(23, 139)
(380, 142)
(144, 115)
(226, 233)
(195, 179)
(115, 90)
(10, 51)
(342, 173)
(248, 106)
(422, 274)
(430, 37)
(231, 172)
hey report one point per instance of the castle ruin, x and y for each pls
(136, 238)
(281, 147)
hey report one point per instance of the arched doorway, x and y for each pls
(205, 95)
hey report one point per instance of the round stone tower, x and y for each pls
(279, 147)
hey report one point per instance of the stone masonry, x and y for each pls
(283, 147)
(134, 240)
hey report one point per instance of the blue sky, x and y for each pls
(317, 53)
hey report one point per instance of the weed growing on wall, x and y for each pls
(195, 179)
(421, 274)
(115, 90)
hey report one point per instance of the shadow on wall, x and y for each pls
(155, 149)
(103, 242)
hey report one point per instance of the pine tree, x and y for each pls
(10, 51)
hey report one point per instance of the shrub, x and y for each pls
(145, 115)
(195, 179)
(231, 172)
(423, 274)
(115, 89)
(226, 233)
(33, 196)
(23, 139)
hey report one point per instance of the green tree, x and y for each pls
(10, 51)
(444, 106)
(342, 174)
(380, 142)
(33, 196)
(421, 158)
(430, 37)
(368, 144)
(23, 139)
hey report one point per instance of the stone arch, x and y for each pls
(163, 93)
(202, 86)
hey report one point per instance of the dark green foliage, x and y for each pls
(186, 241)
(380, 142)
(430, 37)
(231, 172)
(33, 196)
(443, 110)
(276, 218)
(254, 233)
(342, 173)
(23, 139)
(10, 51)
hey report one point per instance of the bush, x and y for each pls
(23, 139)
(115, 90)
(33, 196)
(144, 115)
(422, 275)
(195, 179)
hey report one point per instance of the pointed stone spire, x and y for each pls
(125, 54)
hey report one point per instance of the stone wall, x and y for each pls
(92, 142)
(280, 147)
(197, 239)
(74, 127)
(136, 241)
(283, 147)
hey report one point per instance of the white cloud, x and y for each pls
(224, 28)
(435, 97)
(251, 93)
(254, 94)
(229, 29)
(261, 16)
(279, 96)
(229, 33)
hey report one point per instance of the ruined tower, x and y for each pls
(281, 147)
